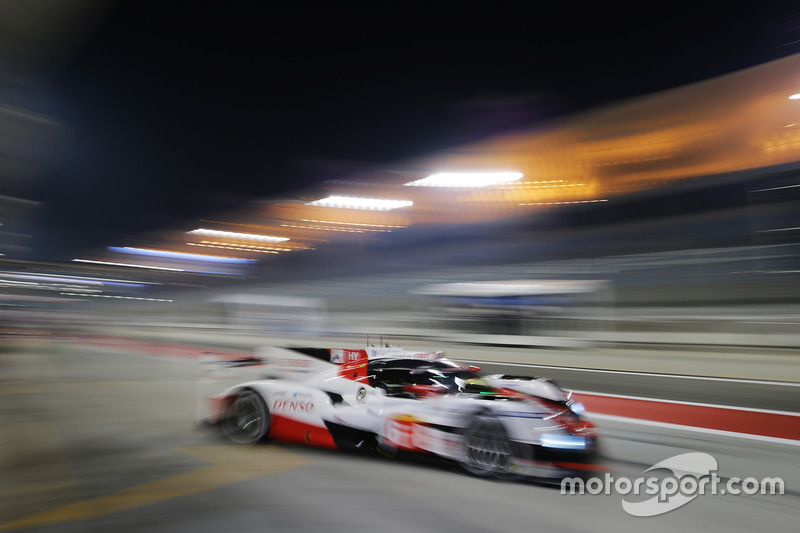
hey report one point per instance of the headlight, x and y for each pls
(578, 408)
(557, 440)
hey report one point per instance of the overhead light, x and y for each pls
(370, 204)
(465, 179)
(178, 255)
(359, 224)
(240, 236)
(795, 96)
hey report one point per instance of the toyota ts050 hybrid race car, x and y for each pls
(391, 400)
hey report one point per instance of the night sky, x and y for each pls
(182, 109)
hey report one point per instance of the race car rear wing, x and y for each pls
(370, 353)
(218, 372)
(294, 362)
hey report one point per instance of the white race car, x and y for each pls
(391, 400)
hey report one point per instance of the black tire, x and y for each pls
(486, 448)
(247, 420)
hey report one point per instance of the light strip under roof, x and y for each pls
(465, 179)
(235, 235)
(370, 204)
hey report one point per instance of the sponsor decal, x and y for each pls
(383, 353)
(407, 432)
(427, 356)
(352, 356)
(399, 431)
(283, 393)
(341, 356)
(293, 405)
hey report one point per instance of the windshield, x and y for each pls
(457, 381)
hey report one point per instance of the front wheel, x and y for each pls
(247, 420)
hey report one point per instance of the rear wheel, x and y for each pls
(247, 420)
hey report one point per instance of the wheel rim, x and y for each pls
(248, 420)
(486, 449)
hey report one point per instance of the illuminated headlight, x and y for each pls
(578, 408)
(555, 440)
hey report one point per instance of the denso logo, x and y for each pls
(298, 406)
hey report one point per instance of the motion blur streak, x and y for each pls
(654, 242)
(741, 128)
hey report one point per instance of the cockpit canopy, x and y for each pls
(410, 376)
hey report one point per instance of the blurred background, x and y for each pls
(552, 179)
(609, 187)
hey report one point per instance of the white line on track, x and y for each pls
(648, 374)
(678, 402)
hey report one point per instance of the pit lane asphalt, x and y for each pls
(98, 439)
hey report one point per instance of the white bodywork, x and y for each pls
(317, 402)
